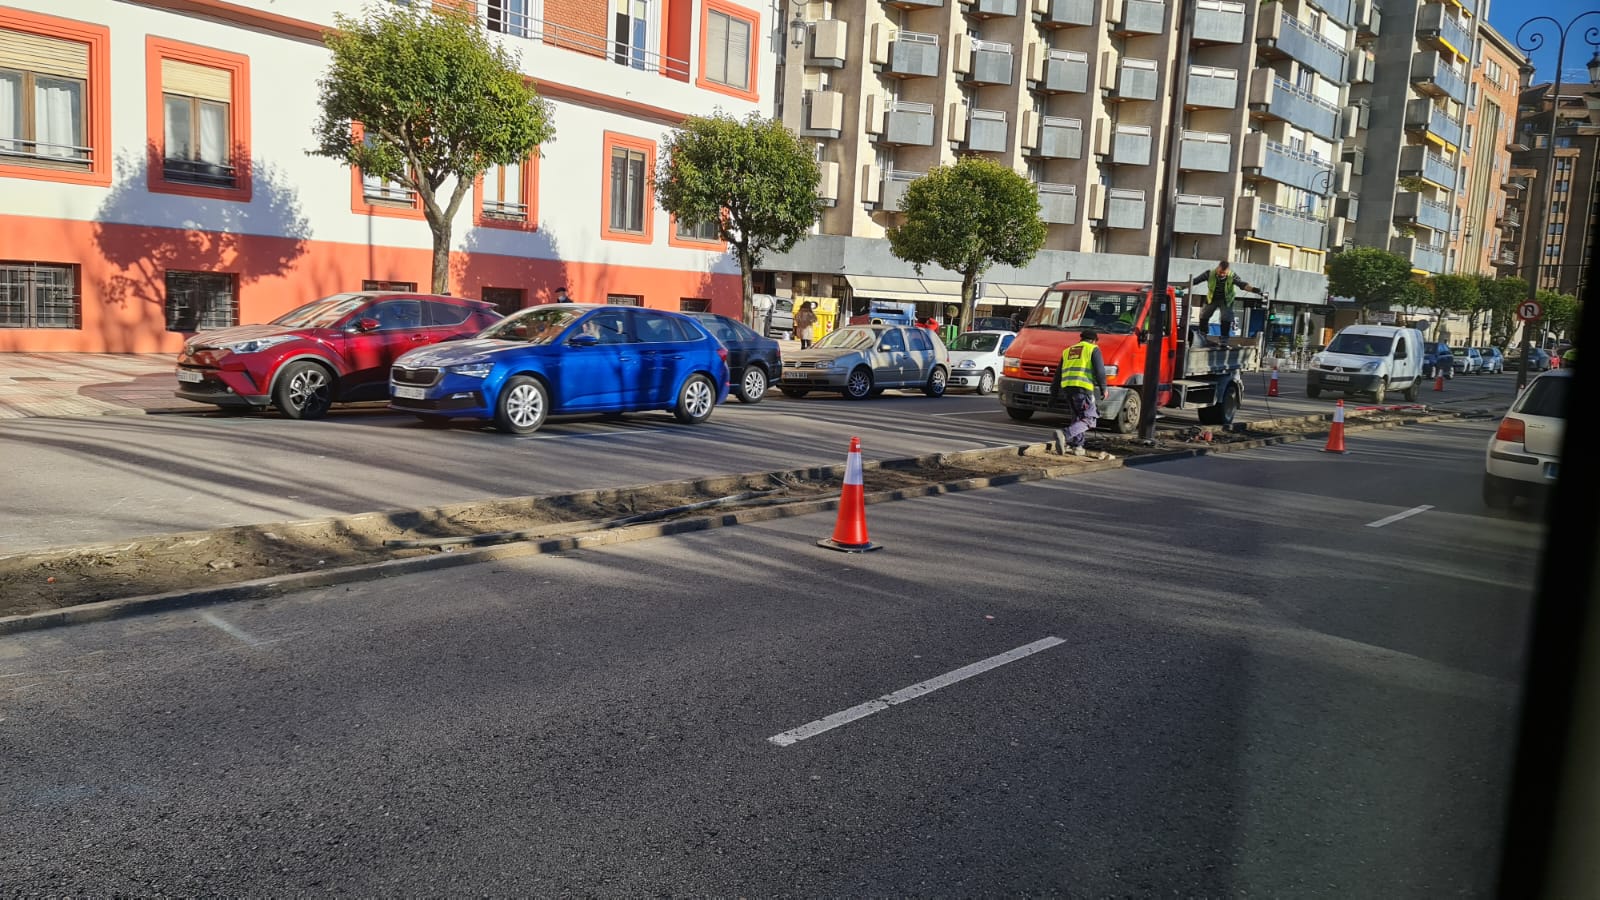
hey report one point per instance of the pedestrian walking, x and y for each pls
(1081, 382)
(1221, 286)
(805, 323)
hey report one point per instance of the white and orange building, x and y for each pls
(155, 180)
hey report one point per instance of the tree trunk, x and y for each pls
(969, 299)
(441, 257)
(747, 282)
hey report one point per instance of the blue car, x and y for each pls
(1436, 357)
(565, 358)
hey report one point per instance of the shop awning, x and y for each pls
(999, 294)
(879, 287)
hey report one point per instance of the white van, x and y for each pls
(1369, 359)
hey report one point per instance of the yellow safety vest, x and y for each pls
(1077, 367)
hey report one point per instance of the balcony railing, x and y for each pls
(994, 7)
(1065, 13)
(1058, 203)
(908, 122)
(1409, 205)
(1060, 138)
(1286, 165)
(1125, 208)
(1066, 71)
(1275, 96)
(1432, 75)
(1142, 17)
(1213, 87)
(516, 24)
(1426, 257)
(1219, 21)
(992, 63)
(1197, 214)
(1288, 226)
(1343, 10)
(191, 171)
(895, 182)
(914, 55)
(1136, 80)
(915, 4)
(1205, 151)
(1296, 39)
(1130, 145)
(1422, 115)
(986, 131)
(1416, 160)
(1437, 26)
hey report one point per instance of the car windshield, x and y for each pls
(535, 325)
(1459, 351)
(849, 339)
(1546, 396)
(1108, 310)
(1361, 344)
(322, 313)
(976, 341)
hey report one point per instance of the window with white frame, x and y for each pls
(508, 17)
(195, 110)
(627, 189)
(708, 230)
(43, 100)
(630, 32)
(728, 50)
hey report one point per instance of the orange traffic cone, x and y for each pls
(1438, 382)
(1336, 434)
(850, 530)
(1272, 386)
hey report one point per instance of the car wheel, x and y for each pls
(986, 382)
(1381, 391)
(1020, 415)
(1313, 391)
(858, 384)
(1127, 421)
(430, 421)
(523, 404)
(796, 393)
(937, 379)
(1411, 391)
(304, 390)
(1223, 413)
(1497, 494)
(753, 385)
(696, 400)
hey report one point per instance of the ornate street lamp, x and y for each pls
(798, 29)
(1530, 43)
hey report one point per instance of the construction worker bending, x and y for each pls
(1082, 381)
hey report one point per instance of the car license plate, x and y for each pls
(1036, 388)
(410, 393)
(1336, 378)
(1550, 470)
(190, 376)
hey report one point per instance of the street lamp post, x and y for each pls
(1529, 44)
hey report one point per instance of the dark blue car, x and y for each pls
(565, 358)
(1436, 357)
(753, 361)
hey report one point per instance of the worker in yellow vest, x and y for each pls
(1080, 382)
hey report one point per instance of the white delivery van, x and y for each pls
(1369, 359)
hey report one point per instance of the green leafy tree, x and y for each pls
(437, 103)
(966, 217)
(1369, 276)
(1452, 294)
(754, 177)
(1412, 297)
(1501, 297)
(1560, 312)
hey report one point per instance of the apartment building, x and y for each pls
(1416, 140)
(1075, 94)
(154, 168)
(1560, 204)
(1482, 226)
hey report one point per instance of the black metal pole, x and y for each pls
(1166, 210)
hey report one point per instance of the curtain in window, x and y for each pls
(179, 128)
(10, 112)
(737, 61)
(58, 117)
(717, 47)
(627, 190)
(502, 185)
(214, 133)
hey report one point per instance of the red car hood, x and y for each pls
(211, 339)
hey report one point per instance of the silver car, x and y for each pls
(863, 361)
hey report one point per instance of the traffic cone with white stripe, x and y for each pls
(1272, 386)
(850, 530)
(1336, 434)
(1438, 382)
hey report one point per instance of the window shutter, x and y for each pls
(717, 48)
(45, 55)
(738, 54)
(191, 80)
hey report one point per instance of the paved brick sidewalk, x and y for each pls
(88, 384)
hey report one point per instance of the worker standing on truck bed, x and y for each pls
(1081, 380)
(1220, 288)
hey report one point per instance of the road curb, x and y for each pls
(104, 610)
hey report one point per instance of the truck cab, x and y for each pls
(1194, 374)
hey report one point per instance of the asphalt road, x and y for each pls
(69, 482)
(1258, 690)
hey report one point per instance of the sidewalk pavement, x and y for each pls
(89, 384)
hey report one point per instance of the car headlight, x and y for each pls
(257, 345)
(1316, 360)
(968, 364)
(1111, 372)
(471, 370)
(1370, 367)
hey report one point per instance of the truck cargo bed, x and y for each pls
(1215, 359)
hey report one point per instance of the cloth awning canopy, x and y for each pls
(880, 287)
(1012, 294)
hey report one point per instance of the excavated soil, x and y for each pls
(46, 580)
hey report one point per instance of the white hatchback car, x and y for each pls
(975, 359)
(1524, 456)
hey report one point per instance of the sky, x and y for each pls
(1508, 15)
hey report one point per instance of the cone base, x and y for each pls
(832, 544)
(1330, 450)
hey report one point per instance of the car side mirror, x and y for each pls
(366, 325)
(1142, 336)
(582, 340)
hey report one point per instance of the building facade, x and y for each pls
(1560, 203)
(1485, 226)
(1075, 95)
(156, 181)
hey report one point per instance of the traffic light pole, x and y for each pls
(1166, 210)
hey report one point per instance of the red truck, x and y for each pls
(1194, 375)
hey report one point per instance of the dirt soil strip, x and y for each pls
(82, 584)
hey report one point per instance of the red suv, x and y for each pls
(334, 350)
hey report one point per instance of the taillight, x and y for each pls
(723, 352)
(1512, 430)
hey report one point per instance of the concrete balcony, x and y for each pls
(827, 46)
(1346, 206)
(1284, 35)
(1280, 225)
(990, 8)
(1363, 66)
(822, 114)
(1212, 87)
(1433, 122)
(1058, 203)
(1060, 138)
(1419, 162)
(1432, 76)
(915, 4)
(992, 63)
(828, 183)
(1130, 145)
(1204, 151)
(1410, 206)
(1368, 19)
(1511, 218)
(1197, 214)
(1273, 97)
(1219, 21)
(1438, 27)
(1426, 257)
(1285, 165)
(913, 55)
(1064, 13)
(1065, 71)
(1357, 158)
(895, 182)
(908, 124)
(986, 131)
(1140, 17)
(1125, 209)
(1136, 80)
(1343, 10)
